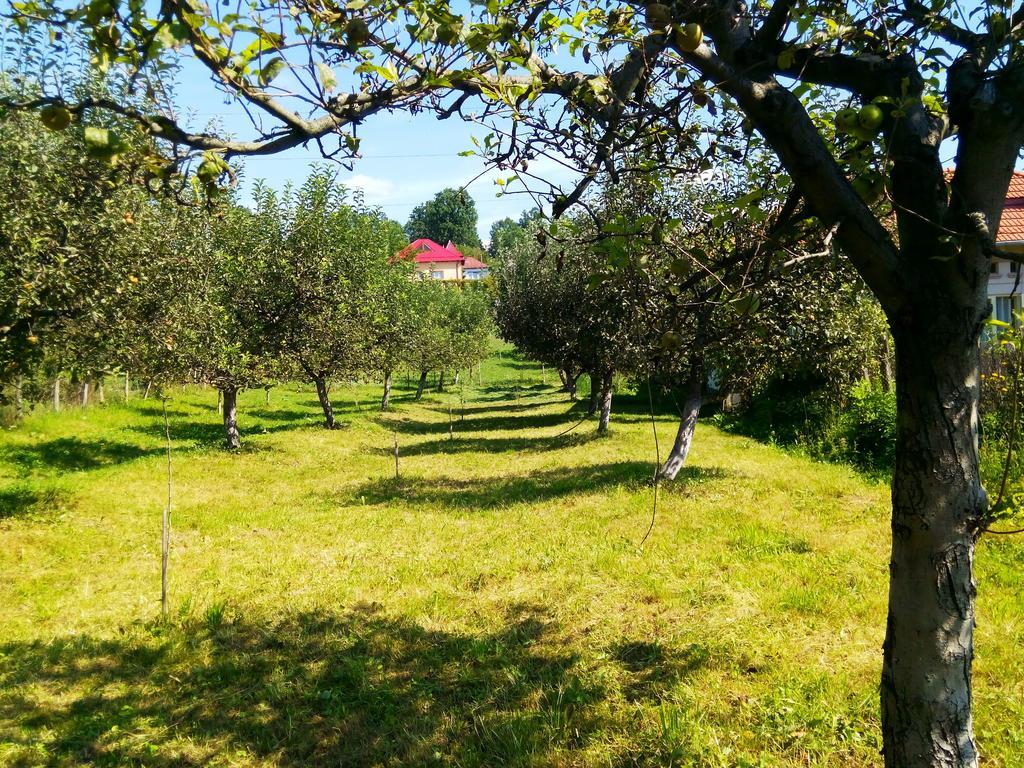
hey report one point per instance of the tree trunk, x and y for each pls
(101, 394)
(885, 366)
(149, 386)
(440, 381)
(568, 382)
(127, 387)
(606, 402)
(687, 423)
(83, 393)
(234, 439)
(19, 402)
(422, 384)
(325, 402)
(220, 401)
(385, 401)
(595, 393)
(266, 395)
(938, 509)
(56, 393)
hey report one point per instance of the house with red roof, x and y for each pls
(1005, 281)
(442, 262)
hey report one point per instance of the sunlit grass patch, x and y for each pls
(491, 606)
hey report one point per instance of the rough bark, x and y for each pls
(440, 382)
(606, 402)
(422, 385)
(83, 393)
(230, 399)
(127, 387)
(56, 394)
(687, 424)
(385, 400)
(325, 402)
(938, 507)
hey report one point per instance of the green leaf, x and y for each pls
(271, 70)
(328, 79)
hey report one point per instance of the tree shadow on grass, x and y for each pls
(355, 688)
(477, 423)
(20, 501)
(460, 444)
(509, 407)
(285, 414)
(495, 492)
(506, 390)
(652, 667)
(211, 433)
(70, 454)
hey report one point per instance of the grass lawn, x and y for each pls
(490, 608)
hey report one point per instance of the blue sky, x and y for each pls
(406, 159)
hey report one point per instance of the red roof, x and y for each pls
(426, 251)
(429, 252)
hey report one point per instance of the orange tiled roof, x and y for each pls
(1011, 226)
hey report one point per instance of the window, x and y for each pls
(1014, 267)
(993, 267)
(1004, 308)
(437, 274)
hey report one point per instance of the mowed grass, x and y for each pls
(491, 607)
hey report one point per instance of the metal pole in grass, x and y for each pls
(165, 537)
(395, 433)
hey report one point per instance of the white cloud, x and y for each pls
(376, 190)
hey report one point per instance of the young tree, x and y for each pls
(449, 217)
(218, 308)
(318, 255)
(557, 309)
(391, 323)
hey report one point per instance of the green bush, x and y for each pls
(870, 426)
(858, 428)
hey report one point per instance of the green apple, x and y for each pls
(846, 120)
(689, 37)
(866, 135)
(357, 33)
(55, 117)
(659, 16)
(870, 117)
(671, 340)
